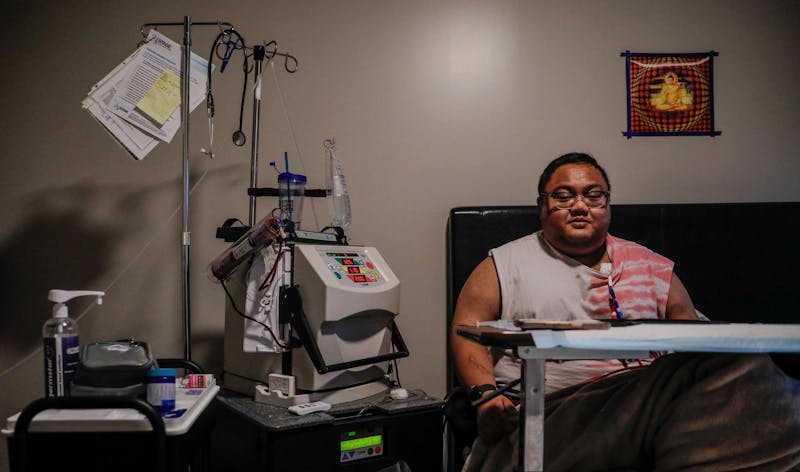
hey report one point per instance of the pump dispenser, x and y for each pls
(60, 337)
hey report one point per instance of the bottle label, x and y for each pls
(340, 186)
(61, 357)
(161, 393)
(242, 249)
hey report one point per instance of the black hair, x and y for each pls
(571, 158)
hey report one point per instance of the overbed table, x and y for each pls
(629, 340)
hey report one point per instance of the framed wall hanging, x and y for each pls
(670, 94)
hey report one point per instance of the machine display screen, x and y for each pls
(362, 443)
(358, 443)
(354, 268)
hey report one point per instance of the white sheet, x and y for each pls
(734, 337)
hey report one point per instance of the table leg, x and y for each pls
(531, 452)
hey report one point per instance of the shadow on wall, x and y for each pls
(212, 346)
(55, 247)
(82, 237)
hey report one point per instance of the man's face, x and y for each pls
(578, 230)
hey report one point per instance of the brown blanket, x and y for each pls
(698, 412)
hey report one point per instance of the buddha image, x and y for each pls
(672, 95)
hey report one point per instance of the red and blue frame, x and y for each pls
(670, 94)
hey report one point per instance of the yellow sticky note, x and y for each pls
(162, 98)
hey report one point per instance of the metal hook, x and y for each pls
(271, 48)
(144, 35)
(286, 59)
(289, 62)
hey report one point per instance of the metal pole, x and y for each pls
(258, 56)
(186, 235)
(186, 55)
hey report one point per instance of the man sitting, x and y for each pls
(698, 411)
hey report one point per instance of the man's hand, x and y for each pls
(497, 418)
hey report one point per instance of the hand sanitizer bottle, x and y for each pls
(61, 350)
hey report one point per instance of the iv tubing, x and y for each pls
(294, 137)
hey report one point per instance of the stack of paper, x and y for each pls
(138, 102)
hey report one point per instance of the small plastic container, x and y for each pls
(291, 190)
(161, 389)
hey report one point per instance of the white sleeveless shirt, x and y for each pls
(538, 281)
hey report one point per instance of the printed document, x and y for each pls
(133, 140)
(138, 102)
(157, 56)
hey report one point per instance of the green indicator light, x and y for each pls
(351, 434)
(358, 443)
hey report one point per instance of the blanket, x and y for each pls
(698, 412)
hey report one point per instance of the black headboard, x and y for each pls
(735, 259)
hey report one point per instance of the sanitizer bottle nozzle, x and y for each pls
(61, 297)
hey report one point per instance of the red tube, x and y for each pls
(263, 233)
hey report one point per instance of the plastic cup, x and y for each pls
(291, 190)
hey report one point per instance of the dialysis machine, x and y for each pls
(318, 325)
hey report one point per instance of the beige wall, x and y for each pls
(433, 105)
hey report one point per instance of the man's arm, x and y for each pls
(480, 301)
(679, 303)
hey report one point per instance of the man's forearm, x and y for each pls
(473, 362)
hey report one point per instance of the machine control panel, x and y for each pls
(352, 267)
(361, 443)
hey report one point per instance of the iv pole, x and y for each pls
(186, 55)
(260, 52)
(258, 56)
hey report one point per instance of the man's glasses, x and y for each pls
(566, 200)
